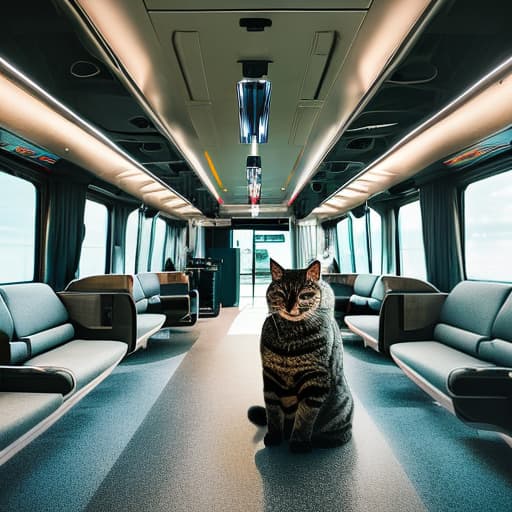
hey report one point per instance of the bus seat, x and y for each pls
(47, 368)
(367, 324)
(145, 323)
(467, 361)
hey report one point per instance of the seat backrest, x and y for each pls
(498, 350)
(38, 315)
(139, 297)
(150, 286)
(362, 297)
(468, 314)
(6, 333)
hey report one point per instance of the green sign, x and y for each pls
(269, 238)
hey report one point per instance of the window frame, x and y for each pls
(478, 175)
(398, 256)
(17, 170)
(96, 198)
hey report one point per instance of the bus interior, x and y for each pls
(157, 155)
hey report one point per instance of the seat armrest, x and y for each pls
(108, 316)
(102, 283)
(37, 379)
(194, 305)
(482, 397)
(409, 316)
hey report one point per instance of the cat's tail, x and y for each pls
(257, 415)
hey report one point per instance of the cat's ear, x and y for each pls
(313, 271)
(276, 270)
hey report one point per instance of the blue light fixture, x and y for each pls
(254, 105)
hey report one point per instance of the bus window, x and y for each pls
(94, 246)
(130, 251)
(343, 227)
(410, 237)
(488, 228)
(360, 245)
(376, 239)
(157, 253)
(17, 229)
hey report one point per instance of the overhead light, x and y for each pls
(253, 179)
(253, 104)
(31, 113)
(483, 110)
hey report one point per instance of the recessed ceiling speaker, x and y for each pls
(317, 186)
(84, 69)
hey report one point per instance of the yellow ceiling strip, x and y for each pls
(295, 165)
(214, 171)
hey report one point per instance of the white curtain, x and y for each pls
(306, 244)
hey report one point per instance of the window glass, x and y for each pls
(94, 246)
(410, 237)
(132, 227)
(145, 240)
(360, 245)
(158, 245)
(344, 251)
(488, 228)
(376, 239)
(17, 229)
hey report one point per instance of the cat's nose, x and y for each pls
(294, 310)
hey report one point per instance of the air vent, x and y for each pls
(317, 187)
(341, 167)
(141, 122)
(414, 72)
(151, 147)
(361, 144)
(84, 69)
(255, 24)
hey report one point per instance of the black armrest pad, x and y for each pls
(36, 379)
(481, 382)
(482, 397)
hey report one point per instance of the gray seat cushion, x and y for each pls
(368, 325)
(20, 412)
(148, 322)
(434, 361)
(86, 359)
(473, 306)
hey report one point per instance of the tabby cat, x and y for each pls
(307, 399)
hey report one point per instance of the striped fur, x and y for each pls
(307, 399)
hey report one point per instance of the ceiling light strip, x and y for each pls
(484, 109)
(28, 110)
(96, 37)
(384, 21)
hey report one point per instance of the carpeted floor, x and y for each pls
(452, 466)
(62, 468)
(196, 450)
(167, 431)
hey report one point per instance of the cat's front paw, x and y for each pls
(272, 439)
(300, 446)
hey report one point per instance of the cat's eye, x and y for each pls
(306, 296)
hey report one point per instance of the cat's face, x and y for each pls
(294, 294)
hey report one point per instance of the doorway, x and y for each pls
(256, 248)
